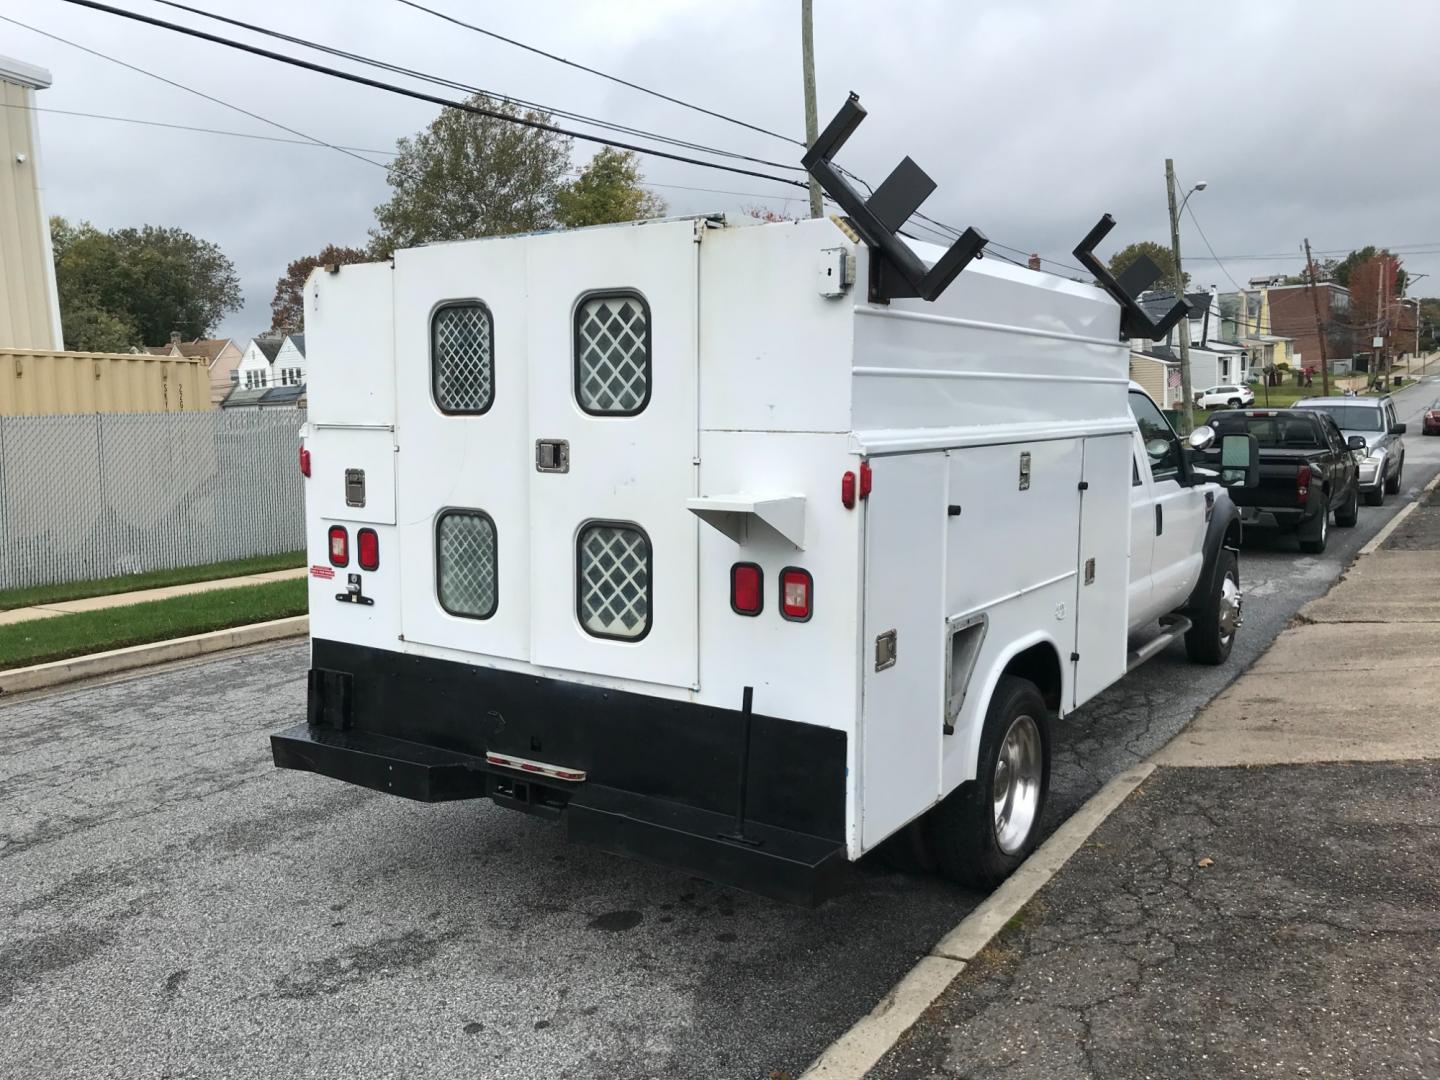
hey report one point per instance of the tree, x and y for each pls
(468, 175)
(287, 310)
(138, 284)
(608, 189)
(1158, 253)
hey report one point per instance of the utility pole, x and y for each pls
(1319, 326)
(812, 122)
(1179, 284)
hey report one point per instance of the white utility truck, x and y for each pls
(731, 549)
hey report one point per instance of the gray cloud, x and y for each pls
(1305, 118)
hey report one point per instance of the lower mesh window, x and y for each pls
(614, 588)
(465, 563)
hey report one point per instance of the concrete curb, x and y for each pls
(856, 1052)
(1373, 545)
(40, 676)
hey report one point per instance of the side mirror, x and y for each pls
(1398, 429)
(1239, 461)
(1356, 442)
(1202, 438)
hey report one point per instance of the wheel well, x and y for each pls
(1041, 665)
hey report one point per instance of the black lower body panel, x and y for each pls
(664, 780)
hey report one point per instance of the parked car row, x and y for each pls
(1318, 459)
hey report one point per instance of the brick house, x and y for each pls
(1292, 314)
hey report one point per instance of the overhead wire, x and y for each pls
(420, 95)
(190, 90)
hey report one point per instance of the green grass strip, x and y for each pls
(41, 640)
(154, 579)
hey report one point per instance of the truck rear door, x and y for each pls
(613, 421)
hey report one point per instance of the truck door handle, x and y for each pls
(1159, 519)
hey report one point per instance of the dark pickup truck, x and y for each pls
(1307, 469)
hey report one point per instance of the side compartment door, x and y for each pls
(902, 647)
(614, 435)
(1102, 592)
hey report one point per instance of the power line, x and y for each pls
(189, 89)
(454, 84)
(190, 127)
(602, 74)
(419, 95)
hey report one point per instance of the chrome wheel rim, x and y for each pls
(1016, 787)
(1230, 601)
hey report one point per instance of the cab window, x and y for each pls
(1161, 446)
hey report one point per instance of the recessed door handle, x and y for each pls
(1159, 519)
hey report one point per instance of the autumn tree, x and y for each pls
(1159, 254)
(287, 310)
(469, 175)
(609, 189)
(130, 287)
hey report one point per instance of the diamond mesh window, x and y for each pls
(614, 587)
(462, 360)
(612, 354)
(465, 563)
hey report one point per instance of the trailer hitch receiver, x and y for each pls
(896, 271)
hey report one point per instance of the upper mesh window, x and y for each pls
(612, 354)
(462, 360)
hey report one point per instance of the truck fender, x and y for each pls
(1222, 533)
(983, 683)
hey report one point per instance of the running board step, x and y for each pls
(779, 863)
(1172, 628)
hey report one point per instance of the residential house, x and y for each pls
(221, 355)
(271, 372)
(29, 302)
(1292, 313)
(1213, 362)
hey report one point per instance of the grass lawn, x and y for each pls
(155, 579)
(41, 640)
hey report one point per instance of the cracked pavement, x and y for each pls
(1263, 922)
(173, 906)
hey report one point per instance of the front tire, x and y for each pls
(1319, 536)
(1376, 497)
(990, 825)
(1348, 514)
(1212, 631)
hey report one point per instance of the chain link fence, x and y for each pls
(93, 496)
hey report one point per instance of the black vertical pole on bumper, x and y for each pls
(747, 715)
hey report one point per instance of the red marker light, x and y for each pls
(304, 462)
(867, 480)
(796, 594)
(847, 491)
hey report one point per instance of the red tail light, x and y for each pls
(367, 549)
(847, 491)
(339, 546)
(796, 589)
(747, 590)
(304, 462)
(1302, 483)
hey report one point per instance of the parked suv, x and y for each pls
(1224, 397)
(1383, 462)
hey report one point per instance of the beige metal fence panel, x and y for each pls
(85, 497)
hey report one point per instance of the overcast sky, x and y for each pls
(1307, 117)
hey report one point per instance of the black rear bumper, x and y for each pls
(663, 779)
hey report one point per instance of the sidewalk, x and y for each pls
(1267, 903)
(98, 603)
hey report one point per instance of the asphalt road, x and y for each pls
(173, 906)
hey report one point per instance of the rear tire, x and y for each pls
(990, 825)
(1314, 542)
(1392, 486)
(1348, 514)
(1212, 632)
(1234, 403)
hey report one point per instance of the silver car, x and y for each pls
(1373, 419)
